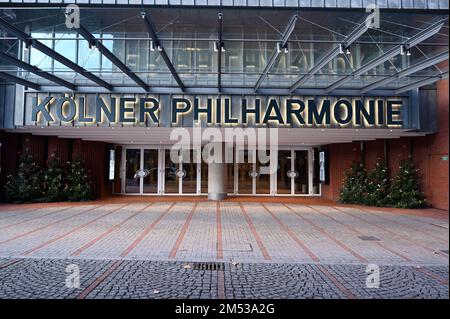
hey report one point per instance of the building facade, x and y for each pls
(137, 89)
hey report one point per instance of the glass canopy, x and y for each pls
(249, 36)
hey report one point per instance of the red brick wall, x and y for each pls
(427, 152)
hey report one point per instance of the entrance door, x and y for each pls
(181, 173)
(141, 171)
(295, 172)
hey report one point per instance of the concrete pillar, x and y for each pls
(217, 172)
(216, 181)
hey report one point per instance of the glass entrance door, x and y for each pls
(141, 171)
(132, 168)
(181, 172)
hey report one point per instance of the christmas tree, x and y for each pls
(405, 191)
(53, 179)
(79, 186)
(354, 186)
(377, 186)
(25, 185)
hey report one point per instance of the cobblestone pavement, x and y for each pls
(46, 278)
(266, 250)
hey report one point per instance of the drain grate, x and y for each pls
(369, 238)
(208, 266)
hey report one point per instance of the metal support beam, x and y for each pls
(420, 83)
(220, 48)
(17, 80)
(335, 51)
(280, 46)
(30, 68)
(29, 41)
(407, 71)
(93, 42)
(151, 31)
(398, 49)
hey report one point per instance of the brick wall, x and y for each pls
(429, 153)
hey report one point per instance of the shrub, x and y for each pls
(405, 191)
(79, 187)
(26, 184)
(354, 187)
(377, 186)
(53, 179)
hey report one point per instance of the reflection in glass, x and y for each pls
(301, 167)
(262, 180)
(171, 180)
(190, 170)
(245, 181)
(132, 166)
(284, 166)
(151, 165)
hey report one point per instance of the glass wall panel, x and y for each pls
(262, 180)
(245, 181)
(66, 45)
(190, 173)
(301, 168)
(39, 59)
(132, 166)
(89, 58)
(151, 165)
(171, 180)
(284, 166)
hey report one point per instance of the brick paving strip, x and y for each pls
(361, 234)
(219, 246)
(323, 231)
(390, 232)
(34, 218)
(107, 232)
(99, 280)
(433, 275)
(288, 230)
(406, 225)
(145, 232)
(72, 231)
(255, 233)
(180, 238)
(337, 283)
(47, 225)
(15, 213)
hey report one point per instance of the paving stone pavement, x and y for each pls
(136, 279)
(266, 250)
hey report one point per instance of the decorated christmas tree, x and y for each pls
(79, 186)
(377, 186)
(354, 187)
(405, 191)
(25, 185)
(53, 179)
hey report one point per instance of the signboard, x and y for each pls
(112, 164)
(191, 110)
(323, 166)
